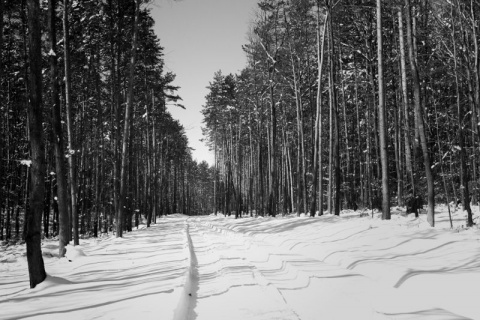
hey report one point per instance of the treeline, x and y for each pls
(346, 104)
(113, 154)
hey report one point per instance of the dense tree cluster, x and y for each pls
(350, 104)
(104, 137)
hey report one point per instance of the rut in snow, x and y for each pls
(188, 300)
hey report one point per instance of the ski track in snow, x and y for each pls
(188, 300)
(208, 268)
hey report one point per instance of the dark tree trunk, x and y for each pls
(126, 130)
(68, 104)
(1, 102)
(1, 36)
(476, 73)
(36, 268)
(272, 199)
(464, 176)
(47, 201)
(334, 184)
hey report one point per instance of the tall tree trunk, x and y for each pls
(330, 122)
(272, 201)
(36, 268)
(58, 139)
(398, 150)
(215, 166)
(382, 118)
(238, 212)
(476, 73)
(359, 141)
(368, 164)
(126, 130)
(444, 180)
(317, 154)
(68, 105)
(349, 187)
(464, 176)
(1, 108)
(301, 181)
(374, 128)
(1, 36)
(419, 119)
(7, 211)
(334, 163)
(406, 121)
(47, 198)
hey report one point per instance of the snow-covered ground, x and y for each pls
(347, 267)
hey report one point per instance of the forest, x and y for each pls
(97, 136)
(356, 104)
(350, 104)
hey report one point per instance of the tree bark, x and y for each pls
(419, 119)
(301, 181)
(36, 268)
(403, 71)
(444, 180)
(47, 197)
(126, 130)
(349, 193)
(58, 139)
(68, 105)
(359, 141)
(272, 199)
(330, 121)
(476, 73)
(318, 170)
(334, 163)
(382, 119)
(464, 176)
(1, 36)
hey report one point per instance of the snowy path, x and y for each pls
(231, 282)
(114, 278)
(243, 275)
(210, 268)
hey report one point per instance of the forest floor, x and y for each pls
(350, 267)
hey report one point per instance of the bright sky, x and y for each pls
(201, 37)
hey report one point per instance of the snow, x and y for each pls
(348, 267)
(27, 163)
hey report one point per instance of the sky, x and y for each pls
(199, 38)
